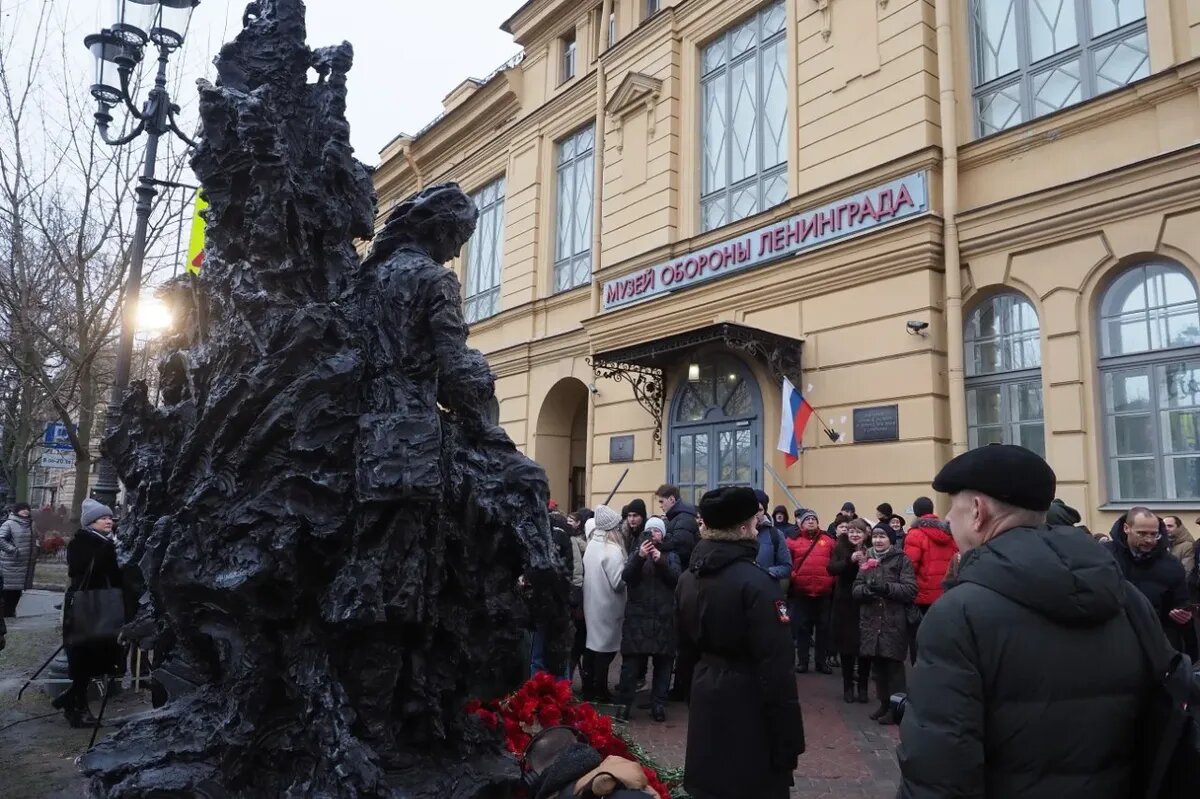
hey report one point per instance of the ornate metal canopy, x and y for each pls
(645, 365)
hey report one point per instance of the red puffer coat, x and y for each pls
(930, 547)
(810, 575)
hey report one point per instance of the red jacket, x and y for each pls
(812, 577)
(930, 547)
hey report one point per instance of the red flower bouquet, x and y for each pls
(544, 702)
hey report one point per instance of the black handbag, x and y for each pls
(95, 615)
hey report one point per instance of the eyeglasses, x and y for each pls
(1150, 536)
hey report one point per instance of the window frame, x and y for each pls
(1146, 362)
(568, 61)
(650, 8)
(1007, 380)
(492, 293)
(1083, 51)
(762, 176)
(564, 262)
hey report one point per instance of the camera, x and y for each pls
(916, 327)
(898, 703)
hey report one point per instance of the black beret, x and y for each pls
(1005, 472)
(727, 507)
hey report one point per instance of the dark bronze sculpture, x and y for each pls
(329, 531)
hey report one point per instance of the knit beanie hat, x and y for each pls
(656, 523)
(637, 506)
(607, 519)
(589, 527)
(93, 510)
(807, 514)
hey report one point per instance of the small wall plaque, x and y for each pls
(881, 423)
(620, 449)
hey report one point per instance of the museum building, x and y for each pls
(946, 222)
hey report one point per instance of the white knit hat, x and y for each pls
(607, 519)
(655, 523)
(589, 527)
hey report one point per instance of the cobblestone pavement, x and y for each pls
(849, 756)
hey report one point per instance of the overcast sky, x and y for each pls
(408, 54)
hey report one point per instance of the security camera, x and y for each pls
(916, 327)
(592, 388)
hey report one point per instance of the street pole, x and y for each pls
(157, 122)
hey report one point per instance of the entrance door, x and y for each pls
(716, 428)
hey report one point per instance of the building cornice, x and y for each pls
(1101, 111)
(1024, 222)
(907, 247)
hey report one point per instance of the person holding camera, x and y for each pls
(1030, 679)
(648, 632)
(885, 588)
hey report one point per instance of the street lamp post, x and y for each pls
(119, 51)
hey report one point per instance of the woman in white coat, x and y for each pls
(603, 599)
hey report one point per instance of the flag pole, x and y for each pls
(783, 485)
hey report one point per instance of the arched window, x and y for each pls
(716, 427)
(1150, 378)
(1004, 374)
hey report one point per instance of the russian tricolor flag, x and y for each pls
(792, 421)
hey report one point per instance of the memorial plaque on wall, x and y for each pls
(881, 423)
(620, 449)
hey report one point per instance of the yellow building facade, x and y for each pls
(946, 222)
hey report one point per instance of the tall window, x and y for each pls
(1150, 376)
(652, 7)
(744, 119)
(573, 246)
(567, 66)
(484, 254)
(1033, 57)
(1004, 374)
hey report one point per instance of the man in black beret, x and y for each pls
(1006, 699)
(733, 619)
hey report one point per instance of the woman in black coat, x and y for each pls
(648, 632)
(848, 554)
(887, 586)
(91, 564)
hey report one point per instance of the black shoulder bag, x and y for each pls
(95, 615)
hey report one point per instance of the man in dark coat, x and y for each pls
(745, 730)
(1141, 547)
(1007, 699)
(683, 531)
(648, 632)
(91, 564)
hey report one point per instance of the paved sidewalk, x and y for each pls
(849, 756)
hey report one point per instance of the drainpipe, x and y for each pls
(597, 215)
(953, 268)
(412, 164)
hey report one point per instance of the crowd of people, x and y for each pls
(854, 593)
(852, 596)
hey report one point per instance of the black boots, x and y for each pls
(658, 713)
(862, 695)
(848, 696)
